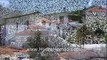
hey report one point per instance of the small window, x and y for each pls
(69, 18)
(27, 23)
(61, 18)
(17, 24)
(6, 58)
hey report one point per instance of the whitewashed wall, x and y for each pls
(11, 30)
(100, 17)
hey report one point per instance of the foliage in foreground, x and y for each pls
(106, 38)
(36, 42)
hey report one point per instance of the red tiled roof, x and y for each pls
(98, 9)
(78, 54)
(29, 32)
(7, 50)
(23, 51)
(36, 27)
(54, 21)
(11, 51)
(26, 32)
(45, 20)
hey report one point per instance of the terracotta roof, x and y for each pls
(10, 51)
(23, 51)
(26, 32)
(55, 21)
(6, 50)
(45, 20)
(97, 9)
(36, 27)
(78, 54)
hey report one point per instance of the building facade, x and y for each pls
(96, 17)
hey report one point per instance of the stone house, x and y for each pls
(96, 17)
(21, 36)
(17, 24)
(21, 22)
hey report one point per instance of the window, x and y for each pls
(61, 18)
(17, 25)
(27, 23)
(6, 58)
(69, 18)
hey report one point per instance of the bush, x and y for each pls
(106, 38)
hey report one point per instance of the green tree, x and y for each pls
(82, 34)
(78, 15)
(99, 32)
(37, 42)
(106, 38)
